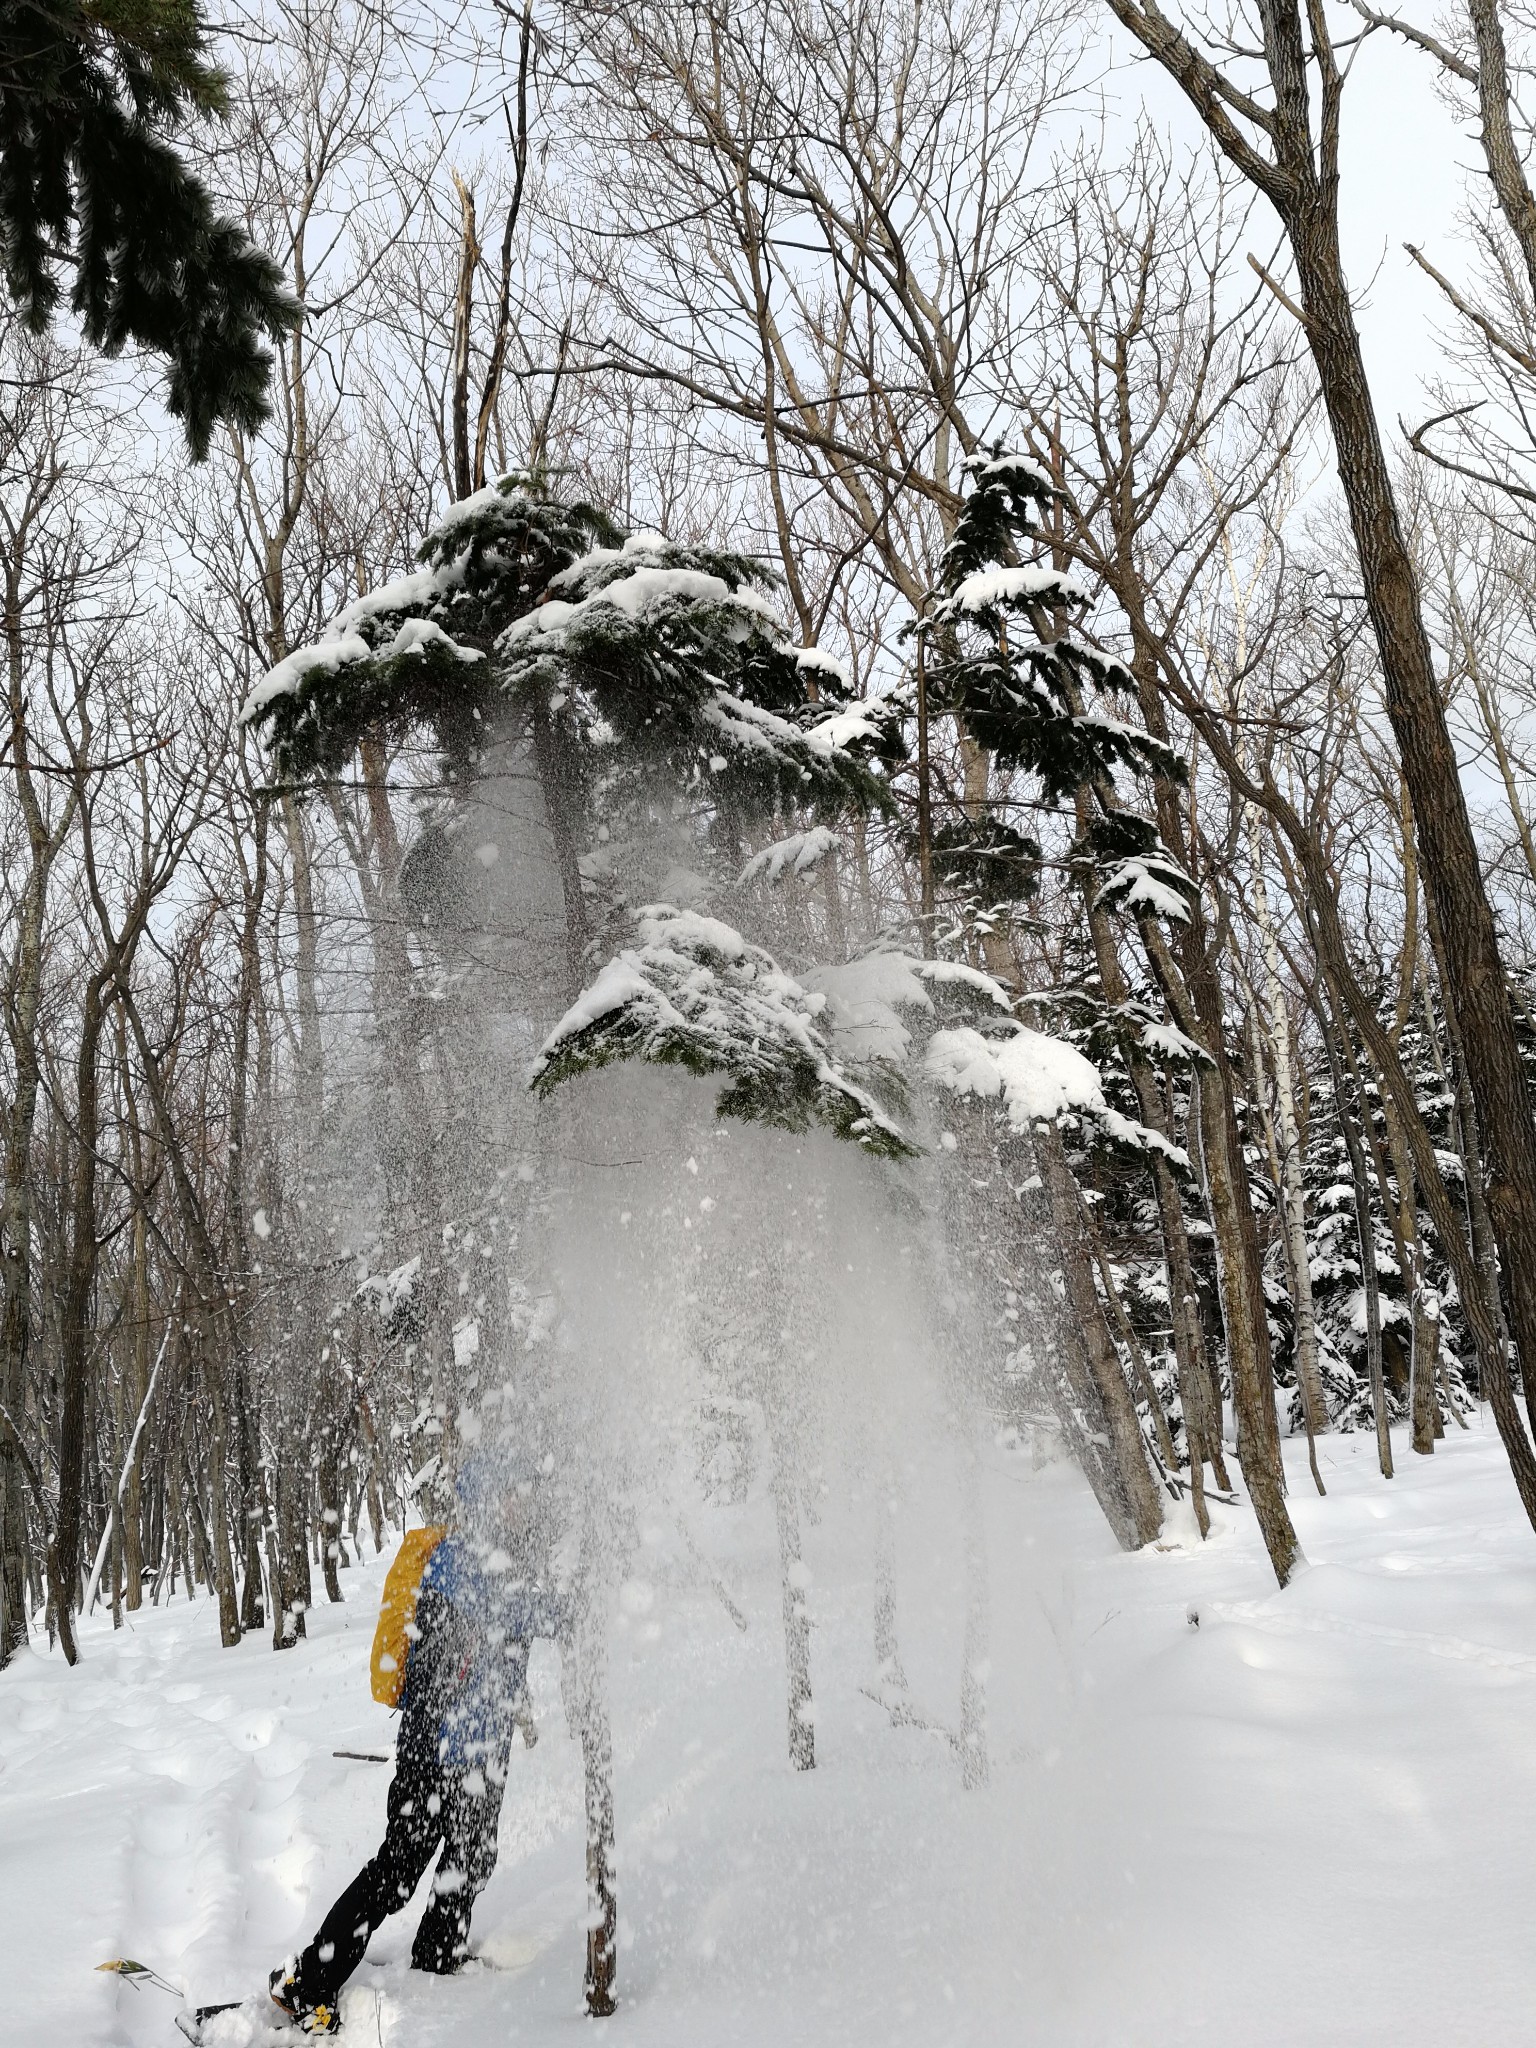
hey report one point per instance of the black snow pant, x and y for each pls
(429, 1804)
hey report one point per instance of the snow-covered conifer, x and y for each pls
(1000, 656)
(630, 654)
(695, 994)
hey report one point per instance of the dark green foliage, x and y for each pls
(435, 887)
(501, 549)
(989, 862)
(88, 99)
(693, 682)
(1000, 660)
(1114, 836)
(315, 729)
(1016, 697)
(1007, 491)
(634, 671)
(1149, 882)
(1334, 1249)
(679, 675)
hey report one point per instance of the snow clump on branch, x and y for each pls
(694, 993)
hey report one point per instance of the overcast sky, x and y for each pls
(1404, 173)
(1406, 167)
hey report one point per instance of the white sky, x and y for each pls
(1404, 168)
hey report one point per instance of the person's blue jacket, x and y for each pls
(475, 1620)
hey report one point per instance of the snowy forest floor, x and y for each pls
(1306, 1820)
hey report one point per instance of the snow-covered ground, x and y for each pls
(1308, 1819)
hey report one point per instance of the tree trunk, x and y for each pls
(1202, 1426)
(1328, 939)
(797, 1622)
(79, 1284)
(22, 1008)
(374, 1481)
(1470, 1144)
(1301, 180)
(463, 309)
(328, 1478)
(584, 1677)
(248, 1477)
(1193, 995)
(1297, 1274)
(1124, 1330)
(222, 1560)
(133, 1492)
(1128, 1452)
(248, 1471)
(975, 1768)
(59, 1598)
(1197, 1012)
(16, 1250)
(1476, 984)
(292, 1592)
(1423, 1404)
(1288, 1144)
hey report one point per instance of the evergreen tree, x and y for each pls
(1333, 1240)
(91, 97)
(638, 674)
(1046, 705)
(1333, 1247)
(1033, 694)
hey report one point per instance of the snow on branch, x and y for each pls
(1038, 1079)
(1152, 882)
(996, 590)
(285, 677)
(955, 974)
(1168, 1043)
(820, 667)
(636, 580)
(796, 855)
(674, 655)
(362, 633)
(866, 999)
(390, 1292)
(871, 723)
(342, 644)
(1132, 1136)
(1007, 465)
(695, 994)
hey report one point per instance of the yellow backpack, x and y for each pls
(391, 1642)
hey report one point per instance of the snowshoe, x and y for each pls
(192, 2023)
(319, 2018)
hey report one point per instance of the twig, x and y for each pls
(1279, 291)
(1494, 336)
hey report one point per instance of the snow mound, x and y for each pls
(1151, 1719)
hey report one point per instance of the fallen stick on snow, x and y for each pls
(710, 1573)
(904, 1715)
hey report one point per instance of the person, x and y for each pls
(478, 1611)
